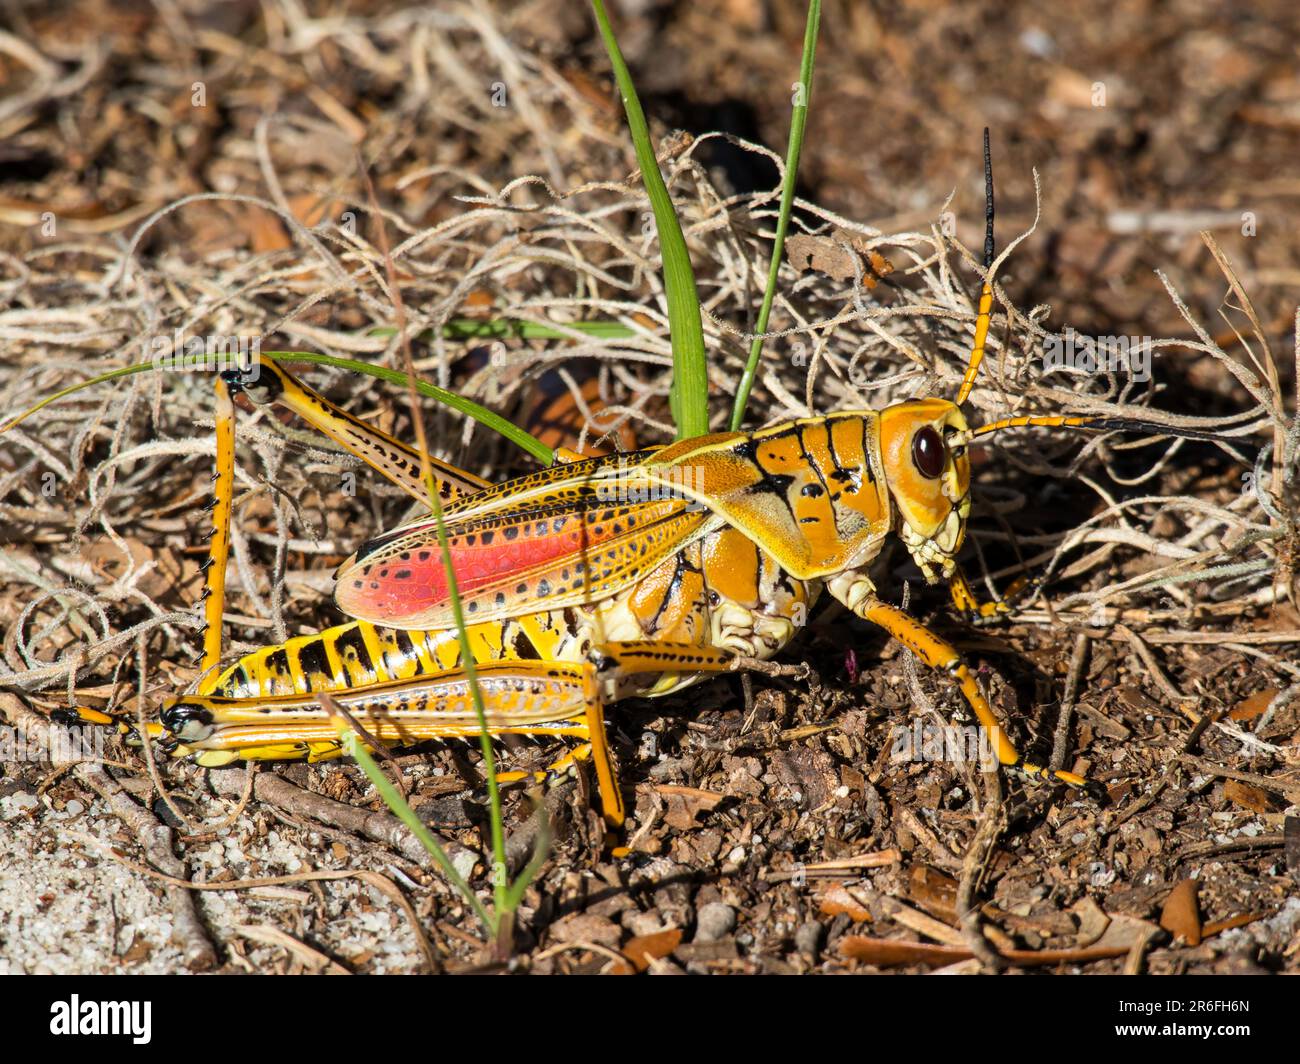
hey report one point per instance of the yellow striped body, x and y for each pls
(723, 591)
(757, 521)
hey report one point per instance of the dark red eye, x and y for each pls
(927, 452)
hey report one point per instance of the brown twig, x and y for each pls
(969, 914)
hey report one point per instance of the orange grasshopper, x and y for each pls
(598, 579)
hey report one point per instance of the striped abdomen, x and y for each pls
(359, 653)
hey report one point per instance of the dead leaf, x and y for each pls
(683, 804)
(1135, 699)
(643, 949)
(1092, 921)
(1181, 915)
(311, 209)
(265, 230)
(140, 951)
(841, 257)
(936, 893)
(932, 890)
(1252, 798)
(838, 899)
(1254, 705)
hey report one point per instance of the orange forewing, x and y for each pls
(570, 535)
(811, 493)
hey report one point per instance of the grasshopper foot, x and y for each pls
(983, 614)
(1041, 774)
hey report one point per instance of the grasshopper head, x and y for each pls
(262, 382)
(923, 444)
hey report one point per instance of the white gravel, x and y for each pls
(65, 909)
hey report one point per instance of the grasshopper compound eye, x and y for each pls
(928, 452)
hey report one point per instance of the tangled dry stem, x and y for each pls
(131, 458)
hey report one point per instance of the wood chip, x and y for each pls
(838, 898)
(586, 927)
(938, 850)
(643, 949)
(923, 924)
(891, 953)
(1181, 915)
(1252, 798)
(1253, 706)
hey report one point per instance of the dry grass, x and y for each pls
(550, 257)
(99, 576)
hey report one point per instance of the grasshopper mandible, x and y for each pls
(598, 579)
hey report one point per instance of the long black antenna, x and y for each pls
(988, 201)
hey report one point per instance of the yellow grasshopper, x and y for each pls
(598, 579)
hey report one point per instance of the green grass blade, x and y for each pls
(541, 851)
(355, 749)
(689, 397)
(469, 666)
(63, 393)
(798, 122)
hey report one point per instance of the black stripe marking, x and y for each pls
(821, 480)
(523, 646)
(350, 644)
(313, 660)
(405, 650)
(866, 450)
(276, 666)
